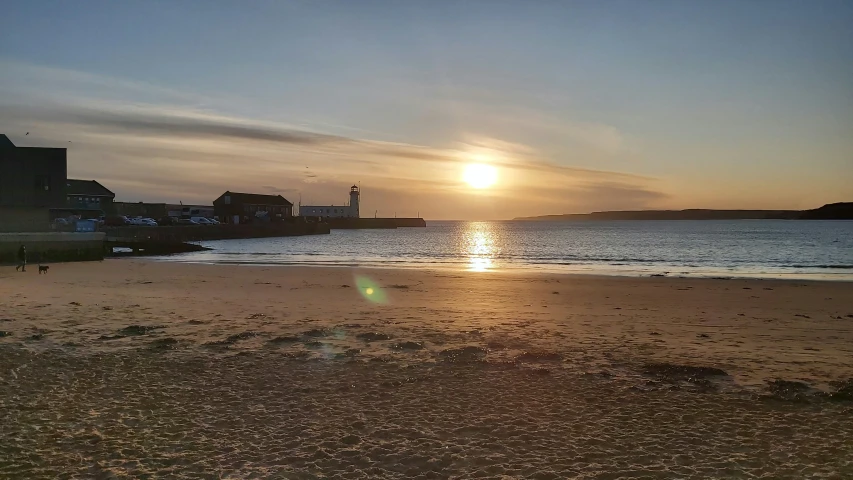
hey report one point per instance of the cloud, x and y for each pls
(172, 149)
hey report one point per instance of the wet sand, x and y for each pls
(139, 369)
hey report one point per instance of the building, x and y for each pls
(89, 198)
(32, 181)
(334, 211)
(31, 176)
(161, 210)
(236, 208)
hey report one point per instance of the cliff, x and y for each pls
(834, 211)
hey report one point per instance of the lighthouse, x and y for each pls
(353, 201)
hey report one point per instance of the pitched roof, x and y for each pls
(5, 142)
(256, 199)
(87, 187)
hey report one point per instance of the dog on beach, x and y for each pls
(43, 269)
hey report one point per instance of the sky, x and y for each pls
(580, 106)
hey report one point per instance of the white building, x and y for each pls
(333, 211)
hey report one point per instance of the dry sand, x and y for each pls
(140, 369)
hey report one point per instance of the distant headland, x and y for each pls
(832, 211)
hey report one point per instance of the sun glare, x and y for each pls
(480, 175)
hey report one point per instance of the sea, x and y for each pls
(820, 250)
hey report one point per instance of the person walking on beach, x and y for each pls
(22, 259)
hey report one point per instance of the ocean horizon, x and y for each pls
(818, 250)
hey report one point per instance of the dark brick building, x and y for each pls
(233, 207)
(32, 181)
(89, 197)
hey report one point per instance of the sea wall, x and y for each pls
(357, 223)
(198, 233)
(48, 247)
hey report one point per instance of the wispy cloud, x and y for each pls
(172, 150)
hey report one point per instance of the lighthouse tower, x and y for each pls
(353, 201)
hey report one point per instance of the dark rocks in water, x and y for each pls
(495, 345)
(399, 286)
(352, 352)
(317, 332)
(196, 322)
(314, 344)
(241, 336)
(382, 359)
(297, 354)
(6, 320)
(539, 356)
(140, 329)
(351, 440)
(555, 293)
(164, 344)
(654, 333)
(232, 339)
(801, 315)
(373, 336)
(37, 336)
(408, 346)
(76, 304)
(285, 339)
(111, 337)
(843, 390)
(703, 335)
(4, 333)
(107, 308)
(789, 390)
(682, 371)
(463, 354)
(345, 286)
(256, 316)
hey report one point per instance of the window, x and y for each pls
(226, 199)
(42, 182)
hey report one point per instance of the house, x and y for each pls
(32, 181)
(235, 208)
(89, 197)
(334, 211)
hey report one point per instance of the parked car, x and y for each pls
(202, 220)
(116, 221)
(146, 222)
(167, 221)
(187, 221)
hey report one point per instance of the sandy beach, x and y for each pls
(145, 369)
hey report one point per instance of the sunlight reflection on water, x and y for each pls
(478, 243)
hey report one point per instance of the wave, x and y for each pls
(839, 267)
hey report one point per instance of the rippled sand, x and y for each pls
(128, 369)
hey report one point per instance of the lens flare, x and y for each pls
(370, 290)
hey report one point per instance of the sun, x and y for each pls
(480, 175)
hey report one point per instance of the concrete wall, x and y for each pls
(52, 247)
(24, 219)
(196, 233)
(357, 223)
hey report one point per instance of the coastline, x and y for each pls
(128, 368)
(831, 274)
